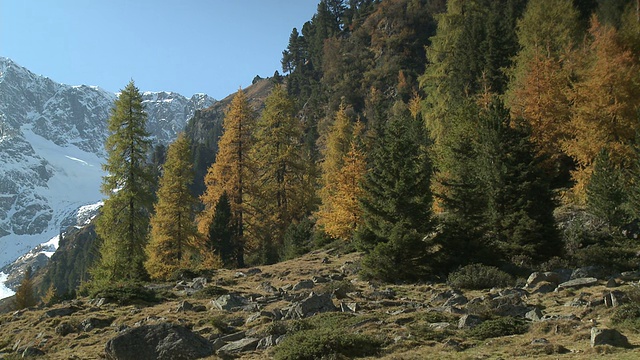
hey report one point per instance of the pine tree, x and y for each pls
(25, 296)
(123, 225)
(231, 172)
(397, 202)
(173, 233)
(281, 193)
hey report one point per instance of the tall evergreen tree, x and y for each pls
(220, 237)
(123, 225)
(397, 201)
(173, 231)
(231, 172)
(607, 194)
(282, 191)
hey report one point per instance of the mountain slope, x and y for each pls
(51, 150)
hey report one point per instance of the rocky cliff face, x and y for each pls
(51, 149)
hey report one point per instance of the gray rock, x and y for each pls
(312, 305)
(162, 341)
(304, 284)
(31, 351)
(611, 283)
(540, 341)
(587, 272)
(510, 305)
(240, 346)
(469, 321)
(349, 307)
(229, 302)
(544, 288)
(534, 315)
(630, 276)
(320, 279)
(440, 326)
(610, 337)
(612, 299)
(578, 283)
(266, 342)
(198, 283)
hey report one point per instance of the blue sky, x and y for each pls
(187, 46)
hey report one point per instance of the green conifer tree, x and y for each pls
(173, 232)
(221, 233)
(606, 191)
(397, 202)
(25, 295)
(123, 225)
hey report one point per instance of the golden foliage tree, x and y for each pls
(540, 85)
(173, 231)
(231, 172)
(342, 170)
(605, 113)
(25, 296)
(280, 194)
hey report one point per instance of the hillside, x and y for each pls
(270, 304)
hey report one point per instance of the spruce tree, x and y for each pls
(173, 231)
(397, 202)
(123, 225)
(606, 191)
(231, 172)
(220, 236)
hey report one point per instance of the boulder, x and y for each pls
(91, 323)
(456, 300)
(440, 326)
(534, 315)
(229, 302)
(65, 311)
(31, 351)
(610, 337)
(538, 277)
(162, 341)
(240, 346)
(312, 305)
(544, 288)
(65, 329)
(613, 299)
(509, 305)
(578, 283)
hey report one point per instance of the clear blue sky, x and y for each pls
(187, 46)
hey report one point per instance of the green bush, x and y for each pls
(497, 327)
(478, 277)
(125, 293)
(628, 316)
(317, 343)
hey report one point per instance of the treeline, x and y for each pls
(428, 134)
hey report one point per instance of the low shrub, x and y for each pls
(628, 316)
(209, 292)
(478, 277)
(497, 327)
(319, 343)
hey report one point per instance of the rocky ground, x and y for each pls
(317, 303)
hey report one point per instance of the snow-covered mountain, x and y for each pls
(51, 150)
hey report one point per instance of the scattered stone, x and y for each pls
(610, 337)
(253, 271)
(240, 346)
(304, 284)
(544, 288)
(611, 283)
(229, 302)
(469, 321)
(534, 315)
(441, 296)
(588, 272)
(456, 300)
(440, 326)
(510, 305)
(540, 341)
(612, 299)
(101, 301)
(239, 274)
(162, 341)
(578, 283)
(388, 294)
(65, 311)
(267, 342)
(577, 302)
(184, 306)
(320, 279)
(349, 307)
(453, 344)
(268, 288)
(198, 283)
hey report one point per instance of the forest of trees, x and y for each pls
(428, 134)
